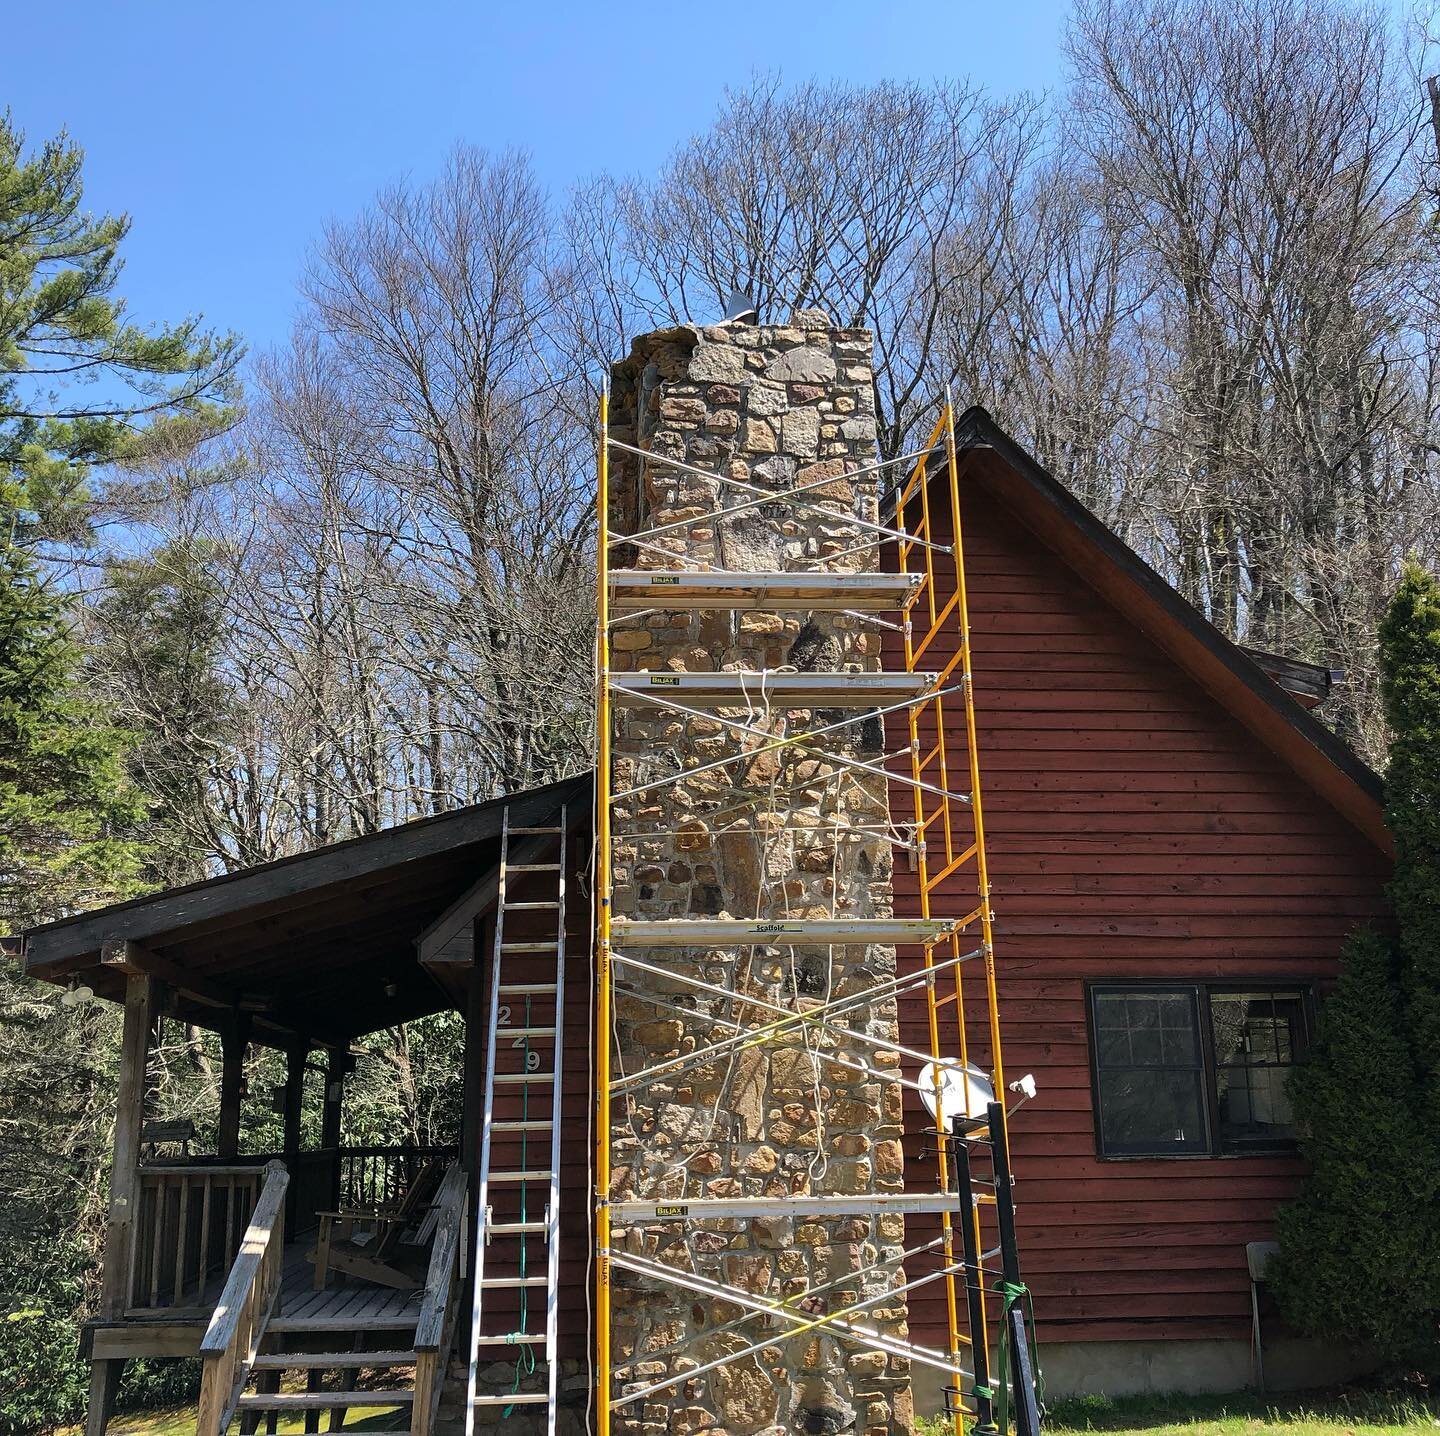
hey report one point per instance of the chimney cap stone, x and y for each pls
(811, 319)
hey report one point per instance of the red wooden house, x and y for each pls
(1178, 849)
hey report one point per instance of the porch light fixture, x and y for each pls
(77, 994)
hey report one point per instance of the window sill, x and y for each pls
(1280, 1152)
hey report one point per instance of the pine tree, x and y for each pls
(61, 328)
(67, 810)
(1360, 1248)
(1410, 655)
(155, 650)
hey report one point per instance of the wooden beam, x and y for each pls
(234, 1042)
(294, 1096)
(140, 1009)
(49, 947)
(458, 920)
(477, 1014)
(337, 1069)
(104, 1387)
(130, 957)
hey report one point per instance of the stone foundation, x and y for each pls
(782, 834)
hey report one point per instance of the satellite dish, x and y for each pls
(740, 308)
(965, 1092)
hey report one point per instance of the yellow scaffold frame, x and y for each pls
(943, 843)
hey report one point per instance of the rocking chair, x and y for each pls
(367, 1242)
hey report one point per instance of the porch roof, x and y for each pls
(320, 945)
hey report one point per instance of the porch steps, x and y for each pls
(309, 1360)
(299, 1347)
(320, 1400)
(347, 1324)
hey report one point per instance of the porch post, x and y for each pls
(140, 1013)
(337, 1069)
(234, 1040)
(141, 1010)
(295, 1056)
(477, 1016)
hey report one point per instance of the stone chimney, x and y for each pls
(783, 834)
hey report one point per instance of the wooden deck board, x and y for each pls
(351, 1306)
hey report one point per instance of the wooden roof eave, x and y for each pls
(107, 944)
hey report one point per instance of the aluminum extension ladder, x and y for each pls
(522, 1113)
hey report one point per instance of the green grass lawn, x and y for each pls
(180, 1421)
(1342, 1413)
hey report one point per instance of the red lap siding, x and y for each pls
(1135, 830)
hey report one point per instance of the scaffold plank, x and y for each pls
(815, 591)
(705, 1209)
(757, 690)
(778, 932)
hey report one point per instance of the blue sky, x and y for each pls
(232, 132)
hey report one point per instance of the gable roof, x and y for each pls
(321, 943)
(992, 461)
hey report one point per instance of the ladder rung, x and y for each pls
(532, 867)
(546, 906)
(632, 589)
(530, 1124)
(528, 989)
(495, 1283)
(519, 1079)
(538, 1175)
(550, 946)
(513, 1338)
(515, 1398)
(775, 690)
(526, 1031)
(513, 831)
(720, 932)
(513, 1229)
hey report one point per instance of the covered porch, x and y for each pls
(312, 1256)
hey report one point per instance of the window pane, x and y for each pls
(1145, 1111)
(1257, 1037)
(1150, 1093)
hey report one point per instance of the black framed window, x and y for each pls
(1194, 1069)
(1256, 1037)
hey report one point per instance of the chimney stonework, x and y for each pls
(784, 834)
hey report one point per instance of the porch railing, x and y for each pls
(435, 1329)
(233, 1337)
(190, 1215)
(190, 1220)
(377, 1177)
